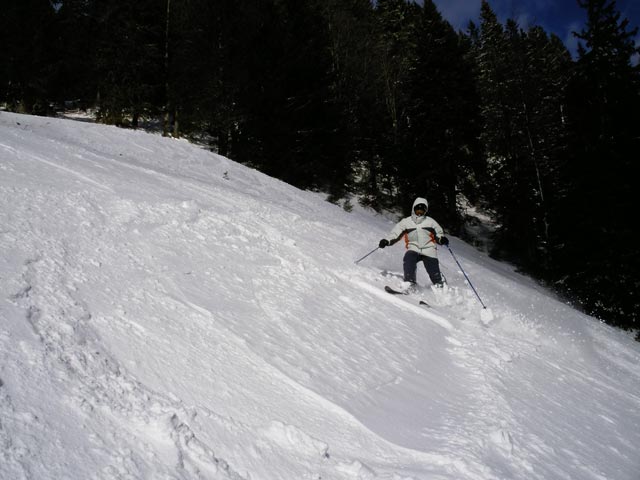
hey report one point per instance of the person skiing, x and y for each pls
(421, 233)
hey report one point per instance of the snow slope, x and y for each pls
(169, 314)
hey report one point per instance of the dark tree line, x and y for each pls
(382, 100)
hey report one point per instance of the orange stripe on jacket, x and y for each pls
(406, 239)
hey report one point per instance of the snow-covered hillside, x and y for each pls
(169, 314)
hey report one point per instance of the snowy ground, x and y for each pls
(169, 314)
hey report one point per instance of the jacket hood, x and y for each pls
(418, 201)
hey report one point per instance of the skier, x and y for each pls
(421, 233)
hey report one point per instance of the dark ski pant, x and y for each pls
(410, 264)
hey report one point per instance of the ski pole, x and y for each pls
(358, 261)
(465, 276)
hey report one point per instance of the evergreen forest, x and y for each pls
(377, 101)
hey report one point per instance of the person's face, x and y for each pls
(420, 210)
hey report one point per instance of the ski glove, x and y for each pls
(383, 243)
(443, 241)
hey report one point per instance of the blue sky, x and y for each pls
(557, 16)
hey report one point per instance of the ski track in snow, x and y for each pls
(182, 319)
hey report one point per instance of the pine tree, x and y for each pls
(350, 28)
(208, 45)
(386, 121)
(289, 131)
(443, 117)
(598, 253)
(129, 59)
(26, 67)
(522, 77)
(545, 72)
(76, 42)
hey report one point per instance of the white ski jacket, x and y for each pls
(420, 233)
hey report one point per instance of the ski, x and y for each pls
(393, 291)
